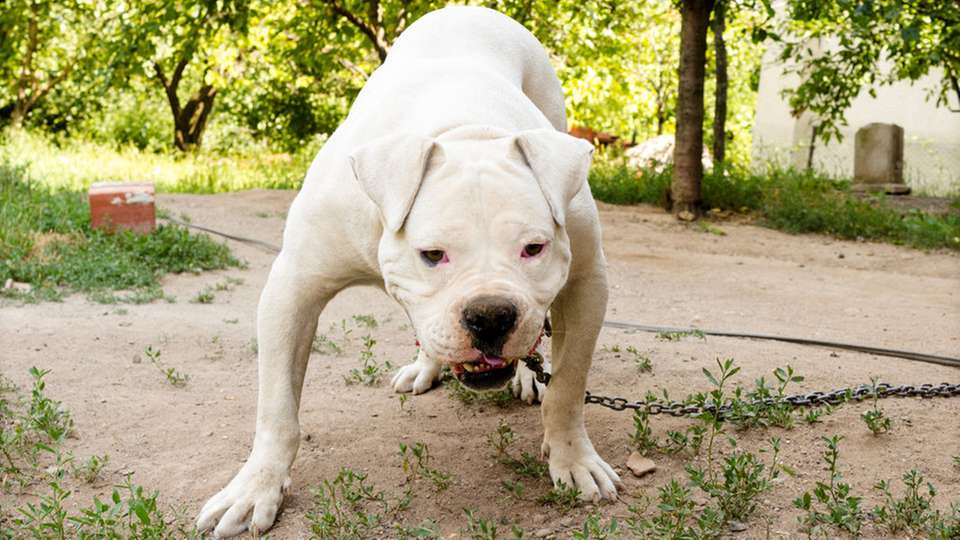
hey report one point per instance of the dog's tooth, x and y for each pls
(469, 367)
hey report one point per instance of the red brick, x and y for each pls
(123, 206)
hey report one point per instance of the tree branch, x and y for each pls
(367, 29)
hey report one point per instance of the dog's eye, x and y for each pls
(532, 250)
(433, 257)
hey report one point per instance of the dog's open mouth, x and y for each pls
(485, 372)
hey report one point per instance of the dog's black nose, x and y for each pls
(489, 319)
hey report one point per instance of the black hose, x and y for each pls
(907, 355)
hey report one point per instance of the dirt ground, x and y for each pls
(189, 442)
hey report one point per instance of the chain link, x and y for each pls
(813, 399)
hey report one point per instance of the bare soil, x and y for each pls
(188, 442)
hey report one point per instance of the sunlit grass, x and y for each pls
(75, 164)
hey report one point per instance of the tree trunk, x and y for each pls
(720, 101)
(688, 150)
(192, 121)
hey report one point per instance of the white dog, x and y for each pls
(453, 185)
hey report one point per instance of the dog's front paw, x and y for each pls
(250, 501)
(574, 462)
(417, 377)
(526, 386)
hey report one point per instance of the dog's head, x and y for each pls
(474, 245)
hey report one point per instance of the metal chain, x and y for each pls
(812, 399)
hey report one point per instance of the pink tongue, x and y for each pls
(494, 361)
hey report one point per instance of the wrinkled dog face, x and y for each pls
(480, 250)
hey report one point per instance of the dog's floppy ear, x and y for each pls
(390, 169)
(559, 162)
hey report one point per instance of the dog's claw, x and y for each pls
(525, 385)
(575, 463)
(417, 377)
(249, 502)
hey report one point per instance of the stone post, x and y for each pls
(878, 159)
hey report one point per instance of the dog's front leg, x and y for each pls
(577, 316)
(286, 323)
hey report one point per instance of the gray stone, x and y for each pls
(878, 155)
(736, 526)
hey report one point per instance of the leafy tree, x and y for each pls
(840, 48)
(42, 44)
(173, 41)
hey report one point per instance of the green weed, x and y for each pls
(677, 336)
(875, 419)
(640, 360)
(527, 465)
(677, 517)
(173, 376)
(831, 503)
(562, 496)
(416, 463)
(594, 529)
(371, 373)
(88, 471)
(346, 507)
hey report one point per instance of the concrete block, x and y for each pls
(878, 154)
(123, 206)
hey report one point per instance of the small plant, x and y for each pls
(831, 503)
(173, 376)
(204, 296)
(812, 415)
(594, 528)
(877, 421)
(642, 437)
(88, 471)
(514, 488)
(705, 227)
(742, 480)
(480, 528)
(913, 512)
(561, 495)
(419, 466)
(368, 321)
(403, 399)
(324, 345)
(764, 406)
(346, 507)
(679, 335)
(641, 361)
(677, 518)
(45, 415)
(501, 440)
(956, 462)
(426, 529)
(372, 372)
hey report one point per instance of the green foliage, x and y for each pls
(46, 240)
(916, 37)
(875, 419)
(416, 464)
(527, 465)
(788, 200)
(346, 507)
(831, 503)
(562, 496)
(173, 376)
(371, 373)
(676, 518)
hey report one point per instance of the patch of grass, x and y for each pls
(173, 376)
(346, 507)
(677, 517)
(326, 346)
(831, 505)
(204, 171)
(788, 200)
(46, 241)
(913, 512)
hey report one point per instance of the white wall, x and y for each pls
(931, 134)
